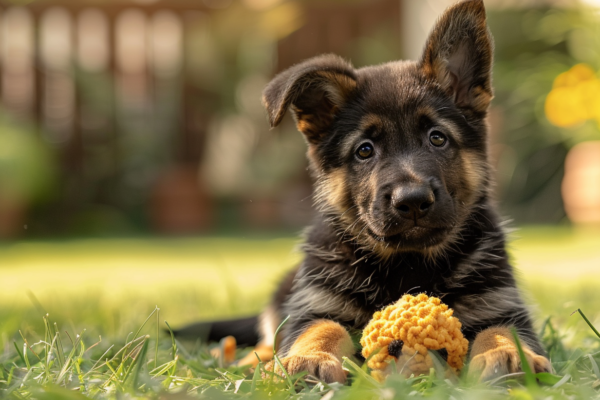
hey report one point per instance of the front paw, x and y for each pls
(321, 365)
(495, 354)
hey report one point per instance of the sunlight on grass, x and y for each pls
(105, 289)
(114, 283)
(560, 268)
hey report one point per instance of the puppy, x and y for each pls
(402, 184)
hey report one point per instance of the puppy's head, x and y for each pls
(399, 149)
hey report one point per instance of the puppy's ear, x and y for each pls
(314, 90)
(458, 54)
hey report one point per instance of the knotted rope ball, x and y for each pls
(404, 332)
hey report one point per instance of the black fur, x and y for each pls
(243, 330)
(367, 285)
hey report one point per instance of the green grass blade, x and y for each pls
(277, 333)
(28, 346)
(357, 371)
(25, 356)
(173, 342)
(21, 355)
(588, 322)
(283, 371)
(134, 356)
(594, 366)
(530, 380)
(564, 380)
(68, 361)
(102, 357)
(145, 322)
(59, 346)
(161, 369)
(139, 363)
(548, 378)
(157, 336)
(256, 376)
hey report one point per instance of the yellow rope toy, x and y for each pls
(403, 332)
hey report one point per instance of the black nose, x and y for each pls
(413, 202)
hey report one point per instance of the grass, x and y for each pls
(104, 336)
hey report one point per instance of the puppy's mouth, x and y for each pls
(415, 237)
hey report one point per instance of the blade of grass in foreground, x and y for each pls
(276, 359)
(173, 343)
(587, 321)
(358, 372)
(530, 380)
(21, 355)
(157, 335)
(139, 363)
(277, 333)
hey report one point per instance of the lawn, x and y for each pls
(109, 287)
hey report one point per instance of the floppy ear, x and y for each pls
(314, 90)
(458, 54)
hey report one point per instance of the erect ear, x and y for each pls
(458, 54)
(314, 90)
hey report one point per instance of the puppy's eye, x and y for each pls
(437, 138)
(365, 151)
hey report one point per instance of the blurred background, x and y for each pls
(137, 167)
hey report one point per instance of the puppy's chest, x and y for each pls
(370, 287)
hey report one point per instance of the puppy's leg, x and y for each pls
(319, 351)
(264, 352)
(226, 349)
(268, 322)
(494, 353)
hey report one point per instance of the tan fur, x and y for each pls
(473, 173)
(337, 86)
(264, 352)
(370, 120)
(481, 98)
(226, 350)
(331, 191)
(323, 89)
(494, 353)
(318, 351)
(313, 125)
(448, 127)
(335, 89)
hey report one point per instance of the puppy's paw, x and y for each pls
(321, 365)
(494, 354)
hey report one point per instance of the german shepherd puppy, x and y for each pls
(400, 159)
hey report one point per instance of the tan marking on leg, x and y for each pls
(319, 351)
(268, 321)
(494, 353)
(264, 351)
(226, 349)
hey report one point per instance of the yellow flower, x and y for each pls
(575, 97)
(578, 73)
